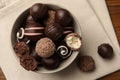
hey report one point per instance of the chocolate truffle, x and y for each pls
(29, 19)
(54, 31)
(45, 47)
(32, 23)
(20, 36)
(28, 62)
(38, 11)
(51, 18)
(63, 17)
(86, 63)
(73, 41)
(68, 30)
(21, 49)
(34, 33)
(63, 51)
(105, 50)
(51, 63)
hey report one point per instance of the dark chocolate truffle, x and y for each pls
(63, 17)
(29, 19)
(28, 62)
(54, 31)
(86, 63)
(63, 51)
(50, 19)
(105, 50)
(21, 49)
(51, 63)
(68, 30)
(38, 11)
(34, 33)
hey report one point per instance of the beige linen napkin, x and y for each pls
(92, 32)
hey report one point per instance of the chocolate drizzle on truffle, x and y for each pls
(63, 51)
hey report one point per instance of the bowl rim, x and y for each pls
(74, 54)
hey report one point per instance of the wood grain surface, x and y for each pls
(114, 9)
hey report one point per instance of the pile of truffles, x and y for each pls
(47, 38)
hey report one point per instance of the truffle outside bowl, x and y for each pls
(20, 21)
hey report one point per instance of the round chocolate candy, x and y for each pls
(21, 49)
(38, 11)
(34, 33)
(54, 31)
(28, 62)
(51, 18)
(105, 50)
(20, 36)
(45, 47)
(63, 51)
(63, 17)
(86, 63)
(73, 41)
(51, 63)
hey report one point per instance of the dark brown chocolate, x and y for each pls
(34, 33)
(63, 51)
(38, 11)
(28, 62)
(21, 49)
(86, 63)
(50, 19)
(54, 31)
(105, 50)
(51, 63)
(63, 17)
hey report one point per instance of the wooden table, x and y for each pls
(114, 8)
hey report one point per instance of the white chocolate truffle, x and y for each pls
(73, 41)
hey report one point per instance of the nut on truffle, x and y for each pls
(45, 47)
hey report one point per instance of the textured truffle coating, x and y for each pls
(21, 49)
(86, 63)
(51, 18)
(45, 47)
(28, 62)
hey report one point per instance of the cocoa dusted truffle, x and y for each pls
(73, 41)
(38, 11)
(45, 47)
(54, 31)
(21, 49)
(51, 63)
(28, 62)
(63, 17)
(86, 63)
(105, 50)
(50, 19)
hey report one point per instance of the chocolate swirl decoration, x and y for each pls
(63, 52)
(20, 36)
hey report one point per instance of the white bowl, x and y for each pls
(21, 19)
